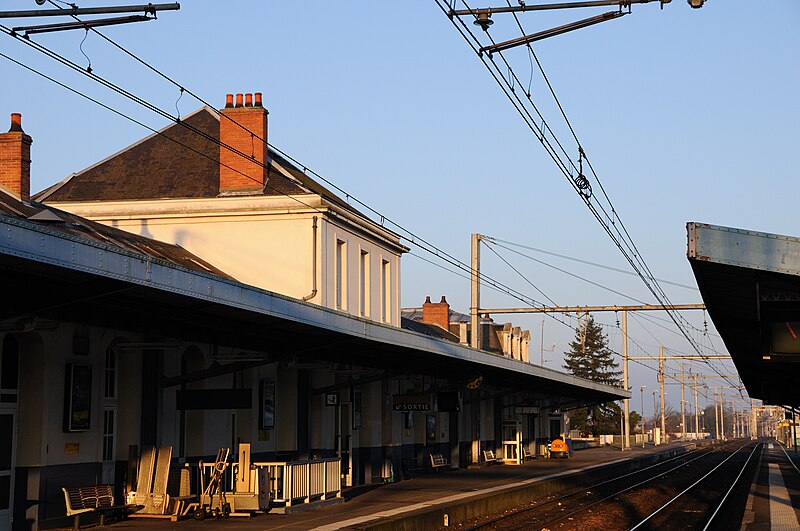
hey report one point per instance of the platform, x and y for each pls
(368, 506)
(774, 501)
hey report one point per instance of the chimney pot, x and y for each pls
(238, 126)
(15, 159)
(258, 99)
(428, 299)
(248, 100)
(228, 101)
(443, 301)
(16, 122)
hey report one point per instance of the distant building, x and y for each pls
(506, 339)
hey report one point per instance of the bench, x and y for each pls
(527, 454)
(490, 459)
(94, 499)
(438, 461)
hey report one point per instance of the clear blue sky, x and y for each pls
(687, 115)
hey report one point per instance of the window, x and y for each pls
(110, 387)
(341, 279)
(108, 434)
(386, 309)
(109, 414)
(364, 285)
(9, 369)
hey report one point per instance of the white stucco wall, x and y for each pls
(267, 242)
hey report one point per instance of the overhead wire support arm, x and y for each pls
(149, 9)
(572, 309)
(84, 24)
(544, 7)
(572, 26)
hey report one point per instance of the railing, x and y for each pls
(291, 482)
(303, 481)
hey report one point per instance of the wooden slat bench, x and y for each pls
(439, 462)
(97, 499)
(527, 454)
(490, 459)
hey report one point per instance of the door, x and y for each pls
(7, 457)
(346, 444)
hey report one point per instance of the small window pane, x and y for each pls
(9, 364)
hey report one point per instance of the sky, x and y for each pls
(686, 115)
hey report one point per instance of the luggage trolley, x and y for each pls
(213, 500)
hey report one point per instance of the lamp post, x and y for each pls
(703, 423)
(654, 416)
(641, 392)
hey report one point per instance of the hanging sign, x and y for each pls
(411, 402)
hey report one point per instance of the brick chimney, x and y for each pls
(15, 159)
(437, 313)
(243, 127)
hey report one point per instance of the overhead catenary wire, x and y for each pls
(413, 239)
(611, 223)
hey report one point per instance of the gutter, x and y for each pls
(313, 262)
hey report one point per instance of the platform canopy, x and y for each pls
(49, 274)
(750, 283)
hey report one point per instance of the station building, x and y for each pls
(174, 295)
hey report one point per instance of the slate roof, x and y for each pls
(176, 163)
(77, 226)
(428, 329)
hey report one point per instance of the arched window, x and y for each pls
(9, 369)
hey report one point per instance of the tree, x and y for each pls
(589, 357)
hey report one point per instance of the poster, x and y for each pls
(267, 413)
(78, 400)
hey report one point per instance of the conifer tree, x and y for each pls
(589, 357)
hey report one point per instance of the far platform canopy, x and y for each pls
(750, 283)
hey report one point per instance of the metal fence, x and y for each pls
(290, 482)
(303, 481)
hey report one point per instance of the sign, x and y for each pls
(411, 402)
(72, 448)
(331, 399)
(448, 401)
(526, 410)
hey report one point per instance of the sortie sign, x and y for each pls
(411, 402)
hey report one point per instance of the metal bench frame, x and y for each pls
(438, 461)
(527, 454)
(490, 459)
(93, 499)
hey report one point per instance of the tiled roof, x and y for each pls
(427, 329)
(73, 225)
(175, 163)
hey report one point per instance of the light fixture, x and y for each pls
(484, 20)
(696, 4)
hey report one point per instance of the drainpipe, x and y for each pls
(314, 262)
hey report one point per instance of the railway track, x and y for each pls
(643, 499)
